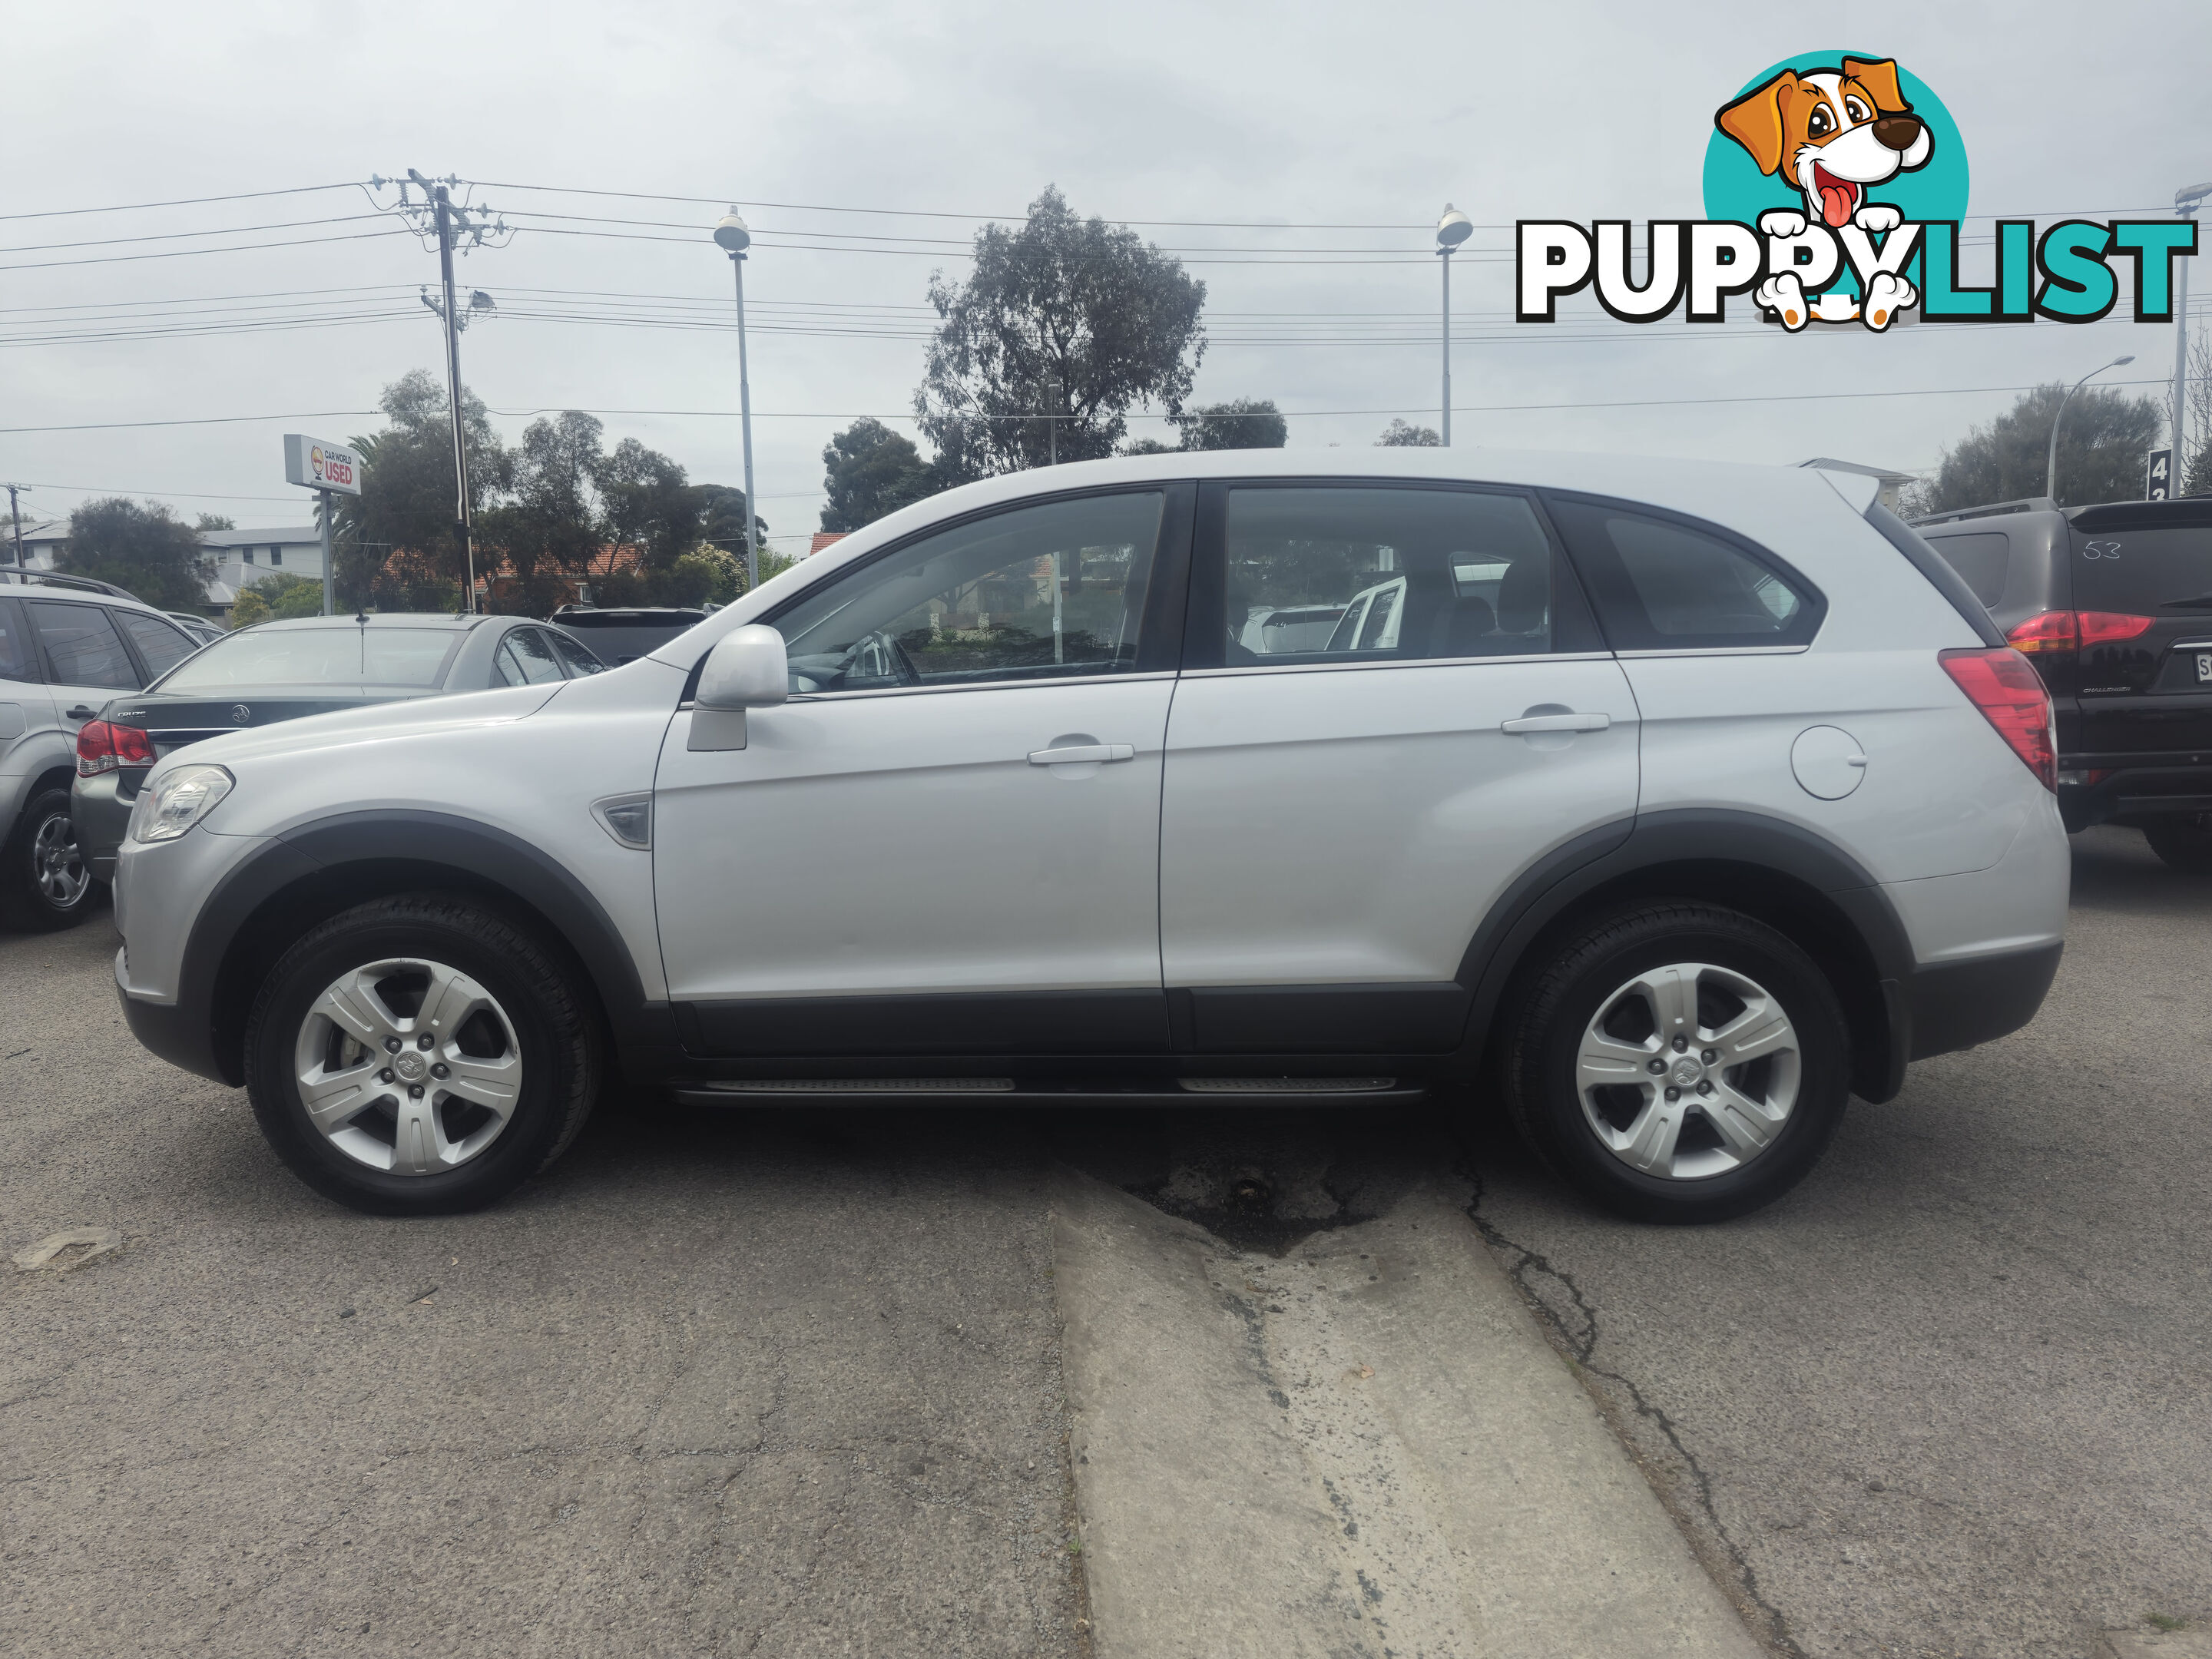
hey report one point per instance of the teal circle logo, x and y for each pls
(1855, 107)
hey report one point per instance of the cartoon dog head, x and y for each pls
(1833, 132)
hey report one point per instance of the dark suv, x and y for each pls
(2113, 603)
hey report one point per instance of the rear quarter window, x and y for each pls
(1664, 583)
(1981, 560)
(2139, 571)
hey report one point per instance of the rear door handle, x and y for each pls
(1528, 723)
(79, 713)
(1079, 753)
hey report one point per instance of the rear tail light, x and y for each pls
(2005, 687)
(2072, 631)
(102, 747)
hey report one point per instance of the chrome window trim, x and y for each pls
(1397, 662)
(1718, 651)
(969, 685)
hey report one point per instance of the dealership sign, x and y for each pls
(1792, 166)
(318, 464)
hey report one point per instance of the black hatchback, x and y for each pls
(2113, 603)
(282, 670)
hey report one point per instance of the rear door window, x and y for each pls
(528, 652)
(82, 645)
(1980, 559)
(577, 661)
(17, 660)
(2145, 573)
(1666, 584)
(1340, 574)
(163, 645)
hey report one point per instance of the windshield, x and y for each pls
(317, 656)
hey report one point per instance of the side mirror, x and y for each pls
(747, 669)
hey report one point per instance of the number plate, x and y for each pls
(2204, 667)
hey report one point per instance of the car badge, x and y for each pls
(240, 715)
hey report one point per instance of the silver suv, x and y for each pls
(67, 645)
(1672, 802)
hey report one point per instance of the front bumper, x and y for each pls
(101, 815)
(180, 1033)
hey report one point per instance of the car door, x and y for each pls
(27, 716)
(947, 841)
(1337, 822)
(86, 661)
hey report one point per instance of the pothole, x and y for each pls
(63, 1252)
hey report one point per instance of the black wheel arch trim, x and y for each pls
(407, 843)
(1688, 838)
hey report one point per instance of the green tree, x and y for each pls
(869, 471)
(1062, 327)
(2101, 446)
(649, 503)
(397, 544)
(145, 548)
(287, 595)
(207, 521)
(1240, 423)
(2196, 477)
(248, 609)
(1147, 447)
(1398, 435)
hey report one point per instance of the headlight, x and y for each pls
(176, 801)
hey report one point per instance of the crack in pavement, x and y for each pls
(1578, 1348)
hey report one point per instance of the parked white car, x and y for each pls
(1676, 802)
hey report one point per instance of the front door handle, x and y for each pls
(1528, 723)
(1078, 754)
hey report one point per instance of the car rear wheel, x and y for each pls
(1678, 1062)
(2183, 840)
(45, 882)
(420, 1055)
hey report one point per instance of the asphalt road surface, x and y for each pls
(788, 1383)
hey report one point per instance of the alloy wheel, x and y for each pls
(1688, 1071)
(408, 1065)
(57, 866)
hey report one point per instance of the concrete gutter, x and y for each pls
(1364, 1447)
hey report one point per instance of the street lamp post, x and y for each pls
(732, 236)
(2050, 468)
(1452, 229)
(2185, 203)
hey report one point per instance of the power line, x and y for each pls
(188, 201)
(183, 252)
(181, 236)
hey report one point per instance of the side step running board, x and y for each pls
(1244, 1090)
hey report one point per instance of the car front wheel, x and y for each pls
(1678, 1062)
(420, 1055)
(45, 882)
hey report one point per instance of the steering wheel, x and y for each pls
(902, 666)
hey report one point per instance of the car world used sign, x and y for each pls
(318, 464)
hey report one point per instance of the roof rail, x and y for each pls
(2026, 504)
(56, 579)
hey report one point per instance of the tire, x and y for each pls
(44, 882)
(2182, 839)
(510, 1072)
(1577, 1063)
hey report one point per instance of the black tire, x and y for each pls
(2182, 839)
(1580, 977)
(25, 904)
(554, 1027)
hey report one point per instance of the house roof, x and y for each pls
(287, 536)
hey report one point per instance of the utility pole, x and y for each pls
(452, 313)
(15, 513)
(1452, 229)
(2185, 203)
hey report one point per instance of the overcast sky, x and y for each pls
(1277, 114)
